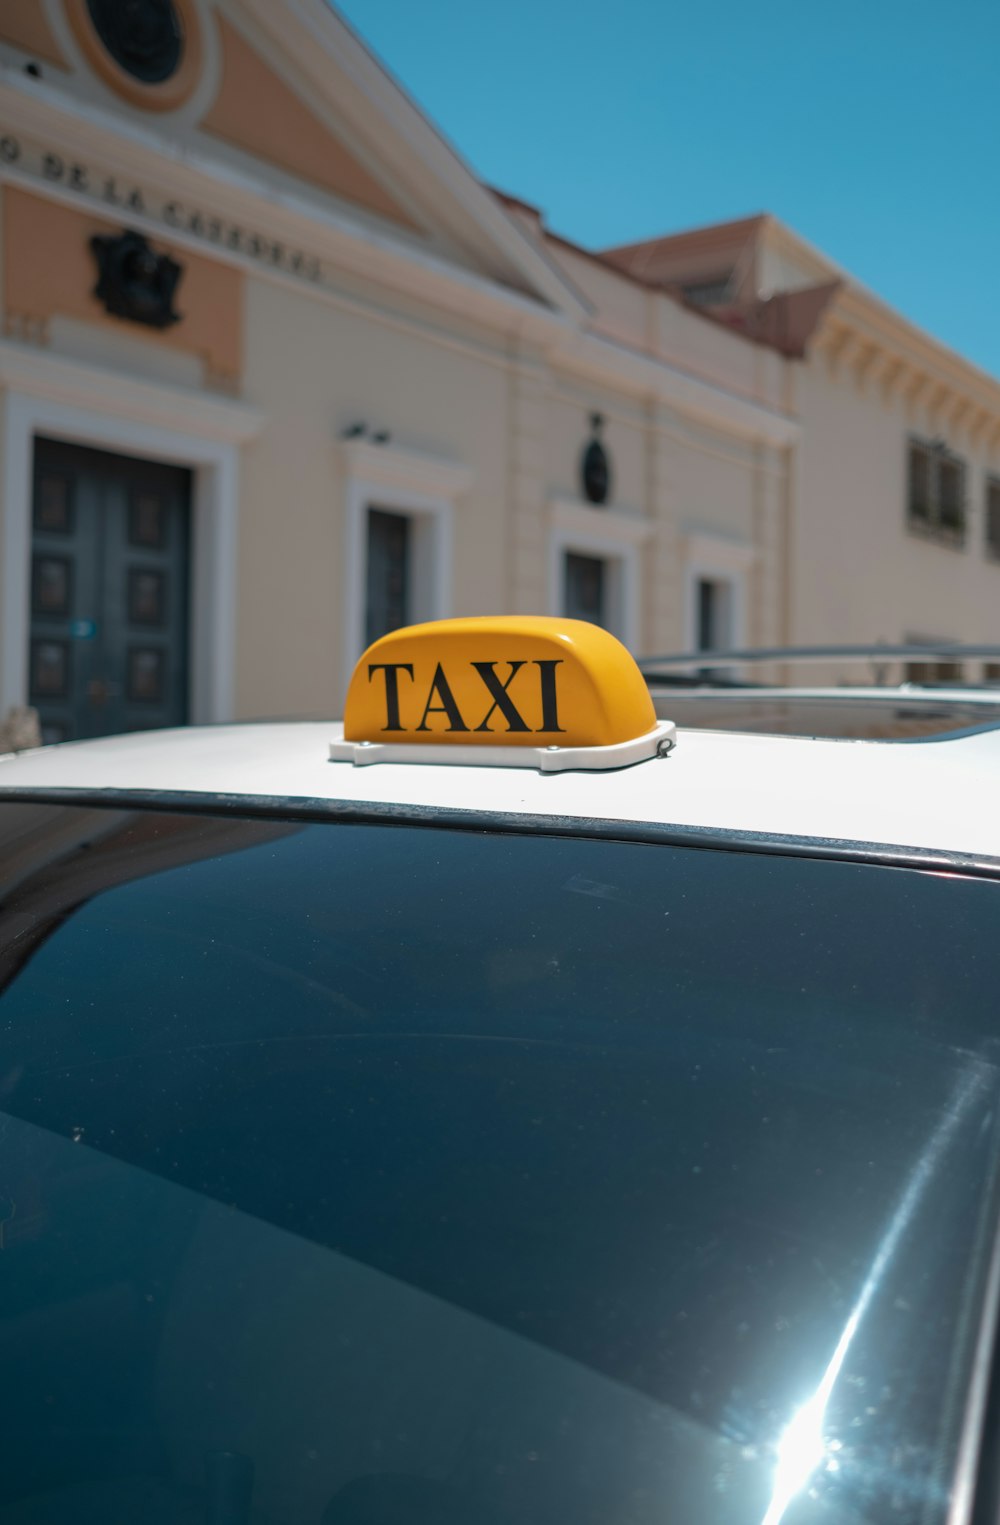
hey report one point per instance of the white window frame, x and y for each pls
(719, 559)
(423, 489)
(89, 405)
(616, 538)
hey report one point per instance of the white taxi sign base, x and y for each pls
(622, 754)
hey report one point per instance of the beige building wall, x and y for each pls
(713, 485)
(362, 325)
(568, 411)
(715, 496)
(848, 548)
(518, 426)
(861, 573)
(837, 556)
(313, 370)
(868, 383)
(646, 320)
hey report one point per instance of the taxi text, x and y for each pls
(439, 697)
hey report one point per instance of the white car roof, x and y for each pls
(938, 795)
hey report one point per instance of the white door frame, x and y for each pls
(215, 503)
(614, 537)
(716, 558)
(426, 489)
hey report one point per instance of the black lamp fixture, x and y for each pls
(359, 430)
(595, 467)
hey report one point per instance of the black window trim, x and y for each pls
(931, 525)
(379, 813)
(991, 544)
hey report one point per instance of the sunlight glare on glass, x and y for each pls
(803, 1446)
(800, 1451)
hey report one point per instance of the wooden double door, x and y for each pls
(110, 576)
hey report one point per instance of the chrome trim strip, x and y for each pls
(378, 813)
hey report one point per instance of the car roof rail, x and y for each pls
(697, 667)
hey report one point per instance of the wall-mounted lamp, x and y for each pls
(595, 467)
(358, 431)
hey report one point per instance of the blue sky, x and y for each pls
(872, 127)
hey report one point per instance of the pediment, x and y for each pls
(282, 97)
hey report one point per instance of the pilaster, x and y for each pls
(527, 556)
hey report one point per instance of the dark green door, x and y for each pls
(109, 592)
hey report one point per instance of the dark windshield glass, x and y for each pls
(362, 1175)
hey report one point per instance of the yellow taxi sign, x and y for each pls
(509, 681)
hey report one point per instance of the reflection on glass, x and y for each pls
(805, 1444)
(561, 1202)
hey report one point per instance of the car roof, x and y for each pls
(935, 794)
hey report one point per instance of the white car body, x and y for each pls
(850, 1093)
(936, 795)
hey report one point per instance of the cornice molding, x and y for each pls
(709, 548)
(728, 412)
(314, 35)
(56, 379)
(978, 426)
(857, 323)
(389, 467)
(893, 378)
(614, 525)
(146, 157)
(214, 186)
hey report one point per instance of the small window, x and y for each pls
(594, 568)
(709, 293)
(950, 495)
(936, 492)
(928, 672)
(993, 518)
(713, 613)
(389, 593)
(920, 484)
(707, 613)
(585, 591)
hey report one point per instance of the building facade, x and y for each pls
(277, 371)
(895, 535)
